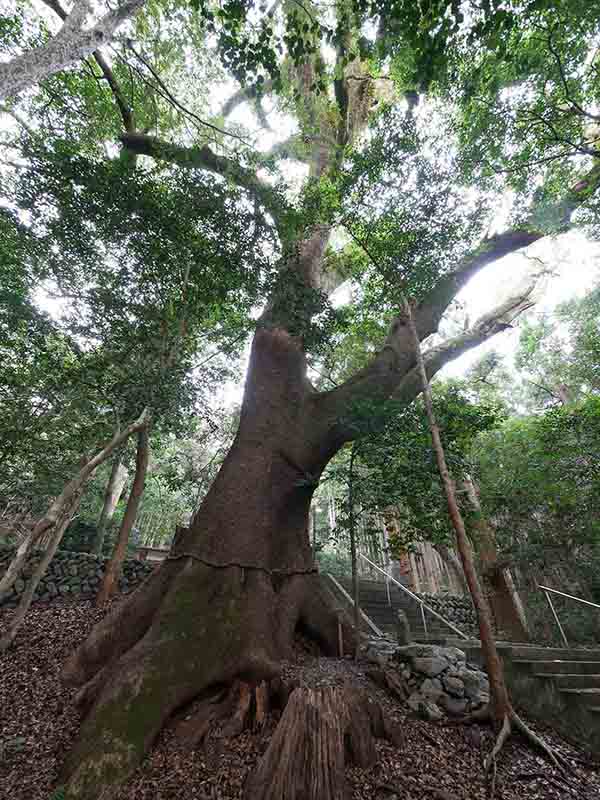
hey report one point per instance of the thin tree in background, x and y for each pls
(55, 522)
(110, 582)
(112, 495)
(499, 708)
(353, 553)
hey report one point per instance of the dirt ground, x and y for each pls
(38, 723)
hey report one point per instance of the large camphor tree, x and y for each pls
(396, 197)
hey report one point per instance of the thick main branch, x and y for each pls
(204, 158)
(430, 310)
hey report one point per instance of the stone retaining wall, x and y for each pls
(455, 608)
(69, 574)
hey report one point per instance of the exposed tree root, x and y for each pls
(192, 630)
(559, 762)
(509, 721)
(193, 730)
(319, 731)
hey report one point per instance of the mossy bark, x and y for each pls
(226, 604)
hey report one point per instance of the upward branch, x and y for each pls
(109, 76)
(430, 310)
(394, 372)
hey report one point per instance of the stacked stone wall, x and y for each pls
(69, 575)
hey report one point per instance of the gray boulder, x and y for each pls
(430, 666)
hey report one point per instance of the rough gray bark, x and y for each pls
(114, 490)
(72, 43)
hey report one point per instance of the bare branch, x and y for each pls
(577, 108)
(244, 95)
(499, 319)
(175, 102)
(431, 309)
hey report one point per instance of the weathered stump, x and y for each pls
(319, 731)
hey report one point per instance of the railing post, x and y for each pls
(562, 633)
(424, 620)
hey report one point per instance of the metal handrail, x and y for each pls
(570, 596)
(422, 603)
(547, 589)
(344, 593)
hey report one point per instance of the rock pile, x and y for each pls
(439, 679)
(69, 574)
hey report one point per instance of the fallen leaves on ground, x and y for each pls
(38, 723)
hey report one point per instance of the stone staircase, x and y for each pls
(555, 685)
(374, 602)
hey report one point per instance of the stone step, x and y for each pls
(586, 697)
(527, 652)
(531, 653)
(567, 681)
(391, 615)
(555, 667)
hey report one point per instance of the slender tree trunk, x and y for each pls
(500, 709)
(353, 556)
(499, 701)
(112, 572)
(67, 513)
(114, 489)
(500, 589)
(55, 511)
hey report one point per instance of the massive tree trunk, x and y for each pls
(499, 586)
(112, 572)
(225, 605)
(227, 602)
(114, 490)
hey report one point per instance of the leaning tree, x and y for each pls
(392, 208)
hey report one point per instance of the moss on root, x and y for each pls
(204, 633)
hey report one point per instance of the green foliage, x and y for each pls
(394, 465)
(521, 74)
(153, 264)
(402, 205)
(539, 481)
(556, 362)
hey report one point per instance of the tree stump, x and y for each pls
(319, 730)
